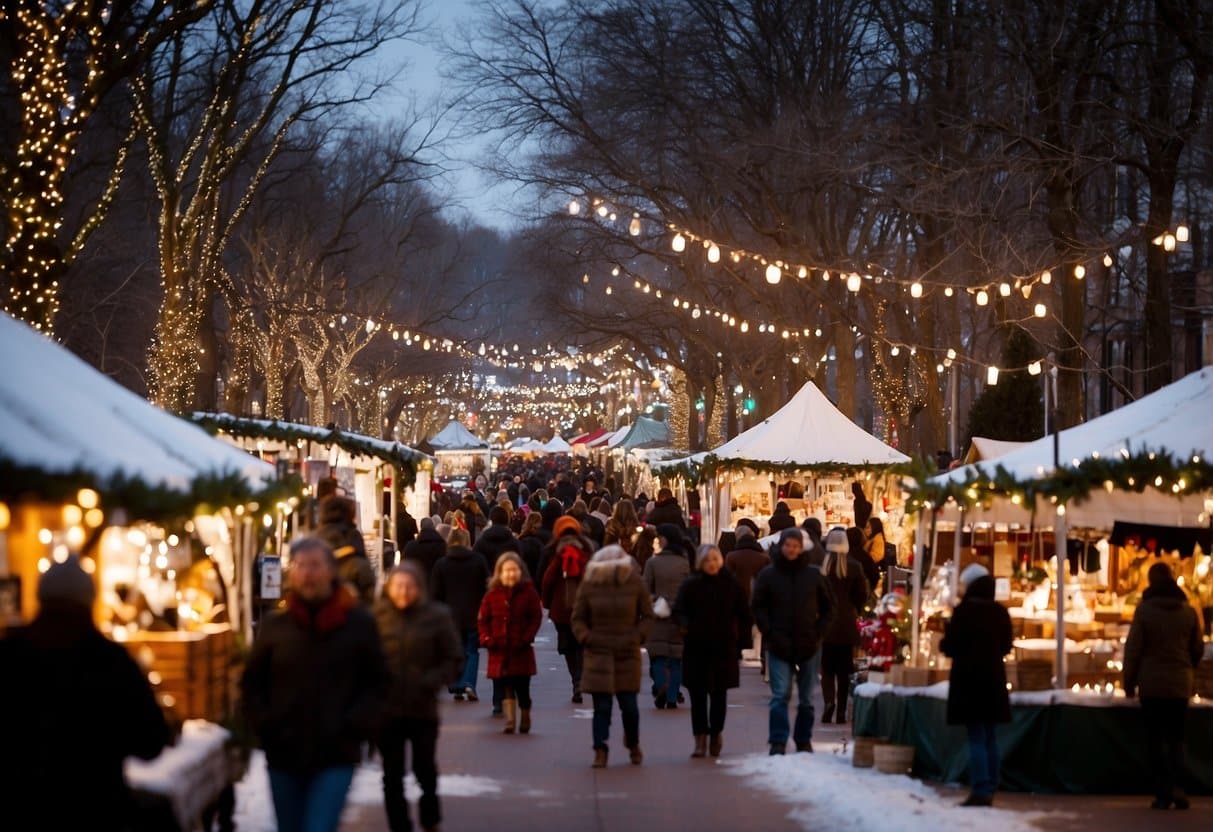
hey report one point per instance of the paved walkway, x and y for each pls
(544, 781)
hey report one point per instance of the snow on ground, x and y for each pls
(825, 791)
(255, 807)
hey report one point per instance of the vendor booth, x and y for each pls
(165, 518)
(625, 458)
(459, 453)
(1114, 496)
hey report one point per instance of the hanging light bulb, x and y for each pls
(1034, 369)
(679, 243)
(1026, 289)
(634, 225)
(948, 292)
(992, 376)
(774, 274)
(854, 282)
(745, 326)
(1046, 277)
(1168, 242)
(1181, 233)
(951, 354)
(802, 273)
(1004, 289)
(574, 207)
(615, 272)
(983, 297)
(370, 326)
(915, 289)
(695, 313)
(603, 210)
(1080, 271)
(1040, 310)
(713, 253)
(825, 276)
(895, 351)
(1107, 261)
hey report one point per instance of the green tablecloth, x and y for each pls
(1057, 748)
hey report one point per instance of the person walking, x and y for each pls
(850, 589)
(567, 558)
(1163, 648)
(426, 548)
(459, 581)
(976, 639)
(663, 575)
(781, 519)
(714, 616)
(745, 561)
(531, 543)
(623, 527)
(76, 705)
(793, 607)
(862, 506)
(337, 528)
(510, 615)
(424, 655)
(666, 510)
(857, 544)
(497, 538)
(312, 733)
(611, 618)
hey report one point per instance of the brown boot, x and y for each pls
(701, 746)
(635, 755)
(716, 745)
(600, 758)
(524, 720)
(509, 707)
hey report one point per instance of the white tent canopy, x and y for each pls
(557, 445)
(455, 437)
(982, 448)
(62, 416)
(1175, 418)
(809, 431)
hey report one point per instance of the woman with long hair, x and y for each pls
(510, 615)
(846, 578)
(624, 526)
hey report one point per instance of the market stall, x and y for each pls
(807, 454)
(459, 453)
(626, 459)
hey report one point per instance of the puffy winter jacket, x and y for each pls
(793, 607)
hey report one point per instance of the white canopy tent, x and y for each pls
(458, 451)
(557, 445)
(455, 437)
(983, 449)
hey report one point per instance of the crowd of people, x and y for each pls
(614, 575)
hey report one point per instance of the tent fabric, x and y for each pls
(612, 440)
(557, 445)
(986, 449)
(1175, 418)
(809, 431)
(455, 437)
(61, 416)
(644, 433)
(589, 438)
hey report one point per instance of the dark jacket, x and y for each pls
(781, 519)
(459, 581)
(745, 562)
(595, 530)
(715, 619)
(850, 593)
(509, 620)
(314, 683)
(666, 511)
(424, 655)
(1164, 645)
(530, 548)
(426, 549)
(357, 572)
(976, 639)
(343, 537)
(565, 570)
(75, 705)
(494, 542)
(611, 618)
(663, 576)
(793, 608)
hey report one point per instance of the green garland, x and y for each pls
(1133, 472)
(403, 457)
(697, 472)
(137, 499)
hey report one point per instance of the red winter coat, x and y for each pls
(508, 622)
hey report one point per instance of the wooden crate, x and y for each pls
(193, 667)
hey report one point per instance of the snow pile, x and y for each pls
(825, 791)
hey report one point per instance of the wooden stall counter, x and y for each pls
(197, 668)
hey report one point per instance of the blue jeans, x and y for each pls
(602, 719)
(782, 674)
(471, 662)
(310, 802)
(984, 771)
(666, 673)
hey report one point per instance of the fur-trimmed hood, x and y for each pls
(611, 565)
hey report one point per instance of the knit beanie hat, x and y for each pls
(744, 531)
(971, 573)
(566, 525)
(67, 583)
(837, 541)
(788, 534)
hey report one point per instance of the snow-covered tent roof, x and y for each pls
(986, 449)
(62, 417)
(455, 437)
(557, 445)
(811, 432)
(1175, 418)
(644, 433)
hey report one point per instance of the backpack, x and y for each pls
(890, 554)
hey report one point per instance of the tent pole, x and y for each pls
(916, 584)
(1063, 565)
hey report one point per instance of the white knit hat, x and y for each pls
(971, 573)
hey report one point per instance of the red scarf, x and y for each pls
(330, 615)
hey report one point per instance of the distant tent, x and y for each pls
(455, 437)
(557, 445)
(645, 433)
(987, 449)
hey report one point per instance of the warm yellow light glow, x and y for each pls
(1181, 233)
(983, 297)
(1046, 277)
(915, 289)
(88, 498)
(713, 253)
(1040, 310)
(72, 515)
(774, 274)
(679, 243)
(854, 282)
(1168, 242)
(992, 376)
(1080, 271)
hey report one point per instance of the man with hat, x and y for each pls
(793, 607)
(76, 706)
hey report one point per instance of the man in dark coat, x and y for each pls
(976, 639)
(423, 655)
(793, 608)
(75, 706)
(426, 548)
(781, 519)
(1163, 648)
(497, 538)
(460, 579)
(312, 733)
(746, 560)
(862, 506)
(666, 510)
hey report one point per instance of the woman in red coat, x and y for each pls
(510, 615)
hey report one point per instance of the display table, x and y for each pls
(1056, 742)
(190, 780)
